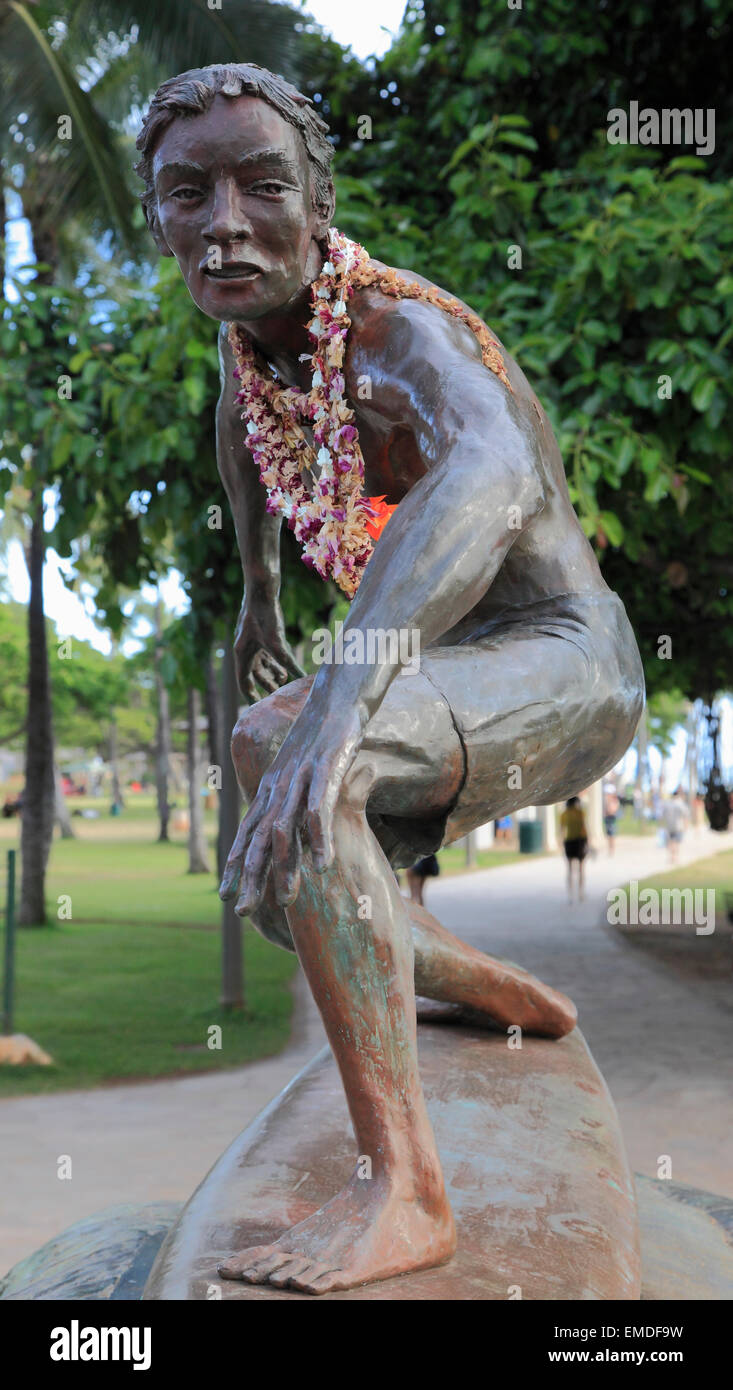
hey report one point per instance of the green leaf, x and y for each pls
(688, 318)
(515, 137)
(703, 393)
(613, 527)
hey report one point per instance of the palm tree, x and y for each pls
(198, 858)
(71, 74)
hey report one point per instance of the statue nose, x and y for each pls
(228, 220)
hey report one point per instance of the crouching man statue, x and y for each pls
(403, 446)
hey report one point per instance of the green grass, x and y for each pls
(627, 825)
(115, 1002)
(129, 986)
(715, 872)
(453, 859)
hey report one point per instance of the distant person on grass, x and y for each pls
(575, 843)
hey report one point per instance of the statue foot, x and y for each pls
(513, 996)
(366, 1233)
(506, 996)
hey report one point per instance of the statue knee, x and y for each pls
(356, 787)
(256, 739)
(272, 924)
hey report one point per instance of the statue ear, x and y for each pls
(324, 213)
(153, 224)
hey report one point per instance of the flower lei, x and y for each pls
(335, 524)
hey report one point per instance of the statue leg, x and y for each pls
(351, 930)
(446, 969)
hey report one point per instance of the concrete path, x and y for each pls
(658, 1018)
(661, 1032)
(143, 1142)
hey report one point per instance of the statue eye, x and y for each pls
(186, 195)
(270, 186)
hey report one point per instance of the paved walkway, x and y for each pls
(660, 1024)
(658, 1017)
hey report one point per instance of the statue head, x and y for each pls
(237, 171)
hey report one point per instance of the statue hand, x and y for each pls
(262, 654)
(297, 794)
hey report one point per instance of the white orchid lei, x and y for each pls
(335, 524)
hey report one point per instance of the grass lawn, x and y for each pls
(627, 825)
(128, 986)
(715, 872)
(453, 859)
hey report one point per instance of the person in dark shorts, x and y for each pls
(416, 876)
(575, 842)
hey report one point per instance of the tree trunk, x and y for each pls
(232, 968)
(39, 793)
(198, 861)
(642, 738)
(212, 699)
(163, 739)
(114, 762)
(62, 811)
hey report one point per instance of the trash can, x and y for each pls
(530, 836)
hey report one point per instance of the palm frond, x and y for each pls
(181, 34)
(37, 88)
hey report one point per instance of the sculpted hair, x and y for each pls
(191, 94)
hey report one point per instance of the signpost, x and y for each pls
(8, 978)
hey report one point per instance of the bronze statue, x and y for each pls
(461, 530)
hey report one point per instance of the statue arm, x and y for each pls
(447, 540)
(263, 657)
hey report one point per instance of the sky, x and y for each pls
(367, 28)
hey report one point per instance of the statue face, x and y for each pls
(234, 207)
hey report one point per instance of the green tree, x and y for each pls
(605, 269)
(65, 77)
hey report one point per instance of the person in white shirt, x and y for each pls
(675, 817)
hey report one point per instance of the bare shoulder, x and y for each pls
(416, 346)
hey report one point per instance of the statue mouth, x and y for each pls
(235, 270)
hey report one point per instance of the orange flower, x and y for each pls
(381, 512)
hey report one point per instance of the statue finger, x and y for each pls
(233, 867)
(276, 669)
(319, 822)
(264, 675)
(249, 690)
(286, 844)
(256, 865)
(287, 856)
(285, 656)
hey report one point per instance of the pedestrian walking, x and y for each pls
(416, 876)
(675, 817)
(611, 807)
(575, 843)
